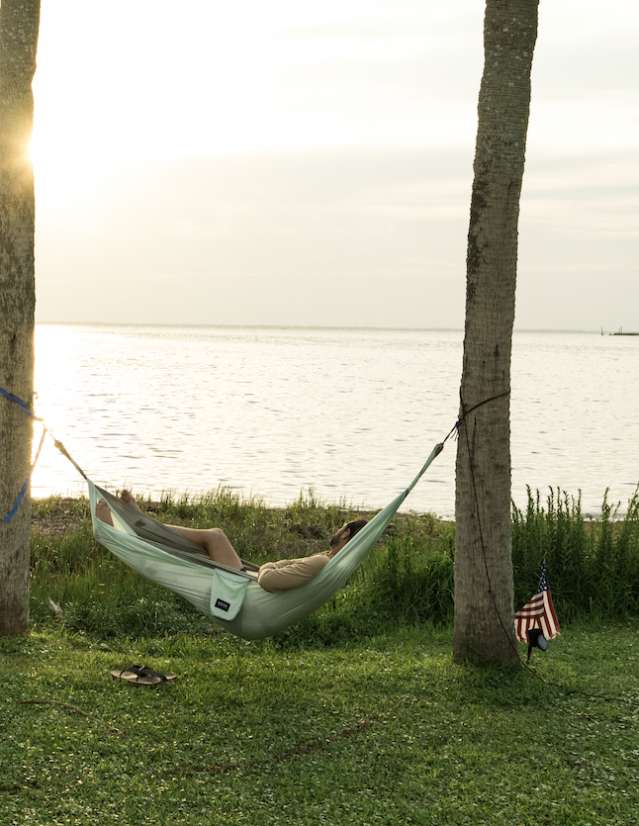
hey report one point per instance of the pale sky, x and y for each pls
(209, 162)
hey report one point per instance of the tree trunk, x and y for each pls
(19, 21)
(484, 630)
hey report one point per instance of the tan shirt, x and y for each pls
(290, 573)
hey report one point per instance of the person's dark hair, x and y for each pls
(355, 526)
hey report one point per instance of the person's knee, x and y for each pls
(216, 533)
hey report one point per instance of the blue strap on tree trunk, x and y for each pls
(8, 517)
(11, 397)
(22, 404)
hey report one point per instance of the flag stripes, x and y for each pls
(538, 612)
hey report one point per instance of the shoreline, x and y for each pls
(56, 515)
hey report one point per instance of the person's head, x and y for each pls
(345, 534)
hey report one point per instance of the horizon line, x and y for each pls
(339, 327)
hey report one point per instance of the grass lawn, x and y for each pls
(384, 730)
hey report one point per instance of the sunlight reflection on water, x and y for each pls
(349, 413)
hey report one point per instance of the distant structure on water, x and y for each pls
(619, 332)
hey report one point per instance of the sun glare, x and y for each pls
(65, 168)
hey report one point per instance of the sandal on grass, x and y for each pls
(142, 675)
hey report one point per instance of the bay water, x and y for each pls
(349, 414)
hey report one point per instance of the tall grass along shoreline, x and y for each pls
(408, 580)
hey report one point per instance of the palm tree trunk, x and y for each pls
(484, 629)
(19, 21)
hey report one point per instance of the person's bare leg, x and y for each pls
(127, 497)
(219, 548)
(103, 512)
(213, 540)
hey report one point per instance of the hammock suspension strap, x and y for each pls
(10, 515)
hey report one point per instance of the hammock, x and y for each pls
(231, 598)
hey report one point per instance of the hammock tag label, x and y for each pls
(227, 595)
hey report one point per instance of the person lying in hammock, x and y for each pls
(272, 576)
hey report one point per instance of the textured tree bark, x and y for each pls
(484, 629)
(19, 21)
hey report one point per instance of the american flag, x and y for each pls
(538, 612)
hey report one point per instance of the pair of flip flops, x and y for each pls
(142, 675)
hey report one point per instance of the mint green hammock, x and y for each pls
(231, 598)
